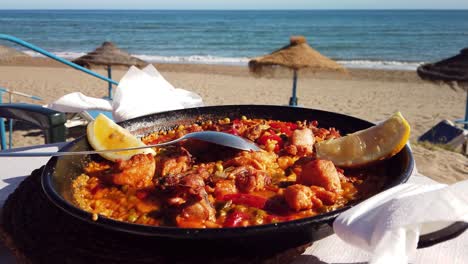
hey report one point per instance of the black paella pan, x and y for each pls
(253, 240)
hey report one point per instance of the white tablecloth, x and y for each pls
(328, 250)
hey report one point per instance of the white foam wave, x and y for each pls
(242, 61)
(195, 59)
(65, 54)
(381, 65)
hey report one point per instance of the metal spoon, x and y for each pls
(220, 138)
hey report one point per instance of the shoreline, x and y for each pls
(363, 63)
(236, 70)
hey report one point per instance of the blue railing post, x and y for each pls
(466, 109)
(10, 125)
(109, 74)
(2, 127)
(293, 99)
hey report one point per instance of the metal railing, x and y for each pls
(52, 56)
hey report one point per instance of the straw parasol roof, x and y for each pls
(452, 69)
(108, 54)
(297, 55)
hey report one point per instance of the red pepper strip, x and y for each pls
(236, 125)
(277, 148)
(263, 140)
(232, 131)
(246, 199)
(235, 219)
(284, 127)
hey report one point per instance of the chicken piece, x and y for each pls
(320, 173)
(223, 187)
(260, 160)
(196, 214)
(291, 149)
(182, 188)
(174, 163)
(255, 132)
(138, 171)
(248, 179)
(192, 181)
(303, 140)
(298, 197)
(187, 194)
(327, 197)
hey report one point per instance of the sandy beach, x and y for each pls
(368, 94)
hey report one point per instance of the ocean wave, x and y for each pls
(243, 61)
(195, 59)
(65, 54)
(380, 65)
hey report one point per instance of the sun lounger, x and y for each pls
(445, 133)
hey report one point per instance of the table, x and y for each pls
(328, 250)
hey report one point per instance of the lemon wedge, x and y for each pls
(103, 133)
(366, 146)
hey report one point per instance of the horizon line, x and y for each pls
(242, 9)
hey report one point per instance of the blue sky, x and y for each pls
(237, 4)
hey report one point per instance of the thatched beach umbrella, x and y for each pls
(108, 54)
(295, 56)
(453, 69)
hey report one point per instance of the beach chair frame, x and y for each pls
(51, 122)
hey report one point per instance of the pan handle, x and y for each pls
(442, 235)
(428, 240)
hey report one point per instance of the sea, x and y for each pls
(380, 39)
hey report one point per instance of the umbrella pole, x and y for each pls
(2, 128)
(293, 99)
(109, 75)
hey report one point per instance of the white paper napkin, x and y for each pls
(140, 92)
(77, 102)
(388, 225)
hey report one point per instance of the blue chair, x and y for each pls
(445, 133)
(38, 111)
(10, 121)
(51, 122)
